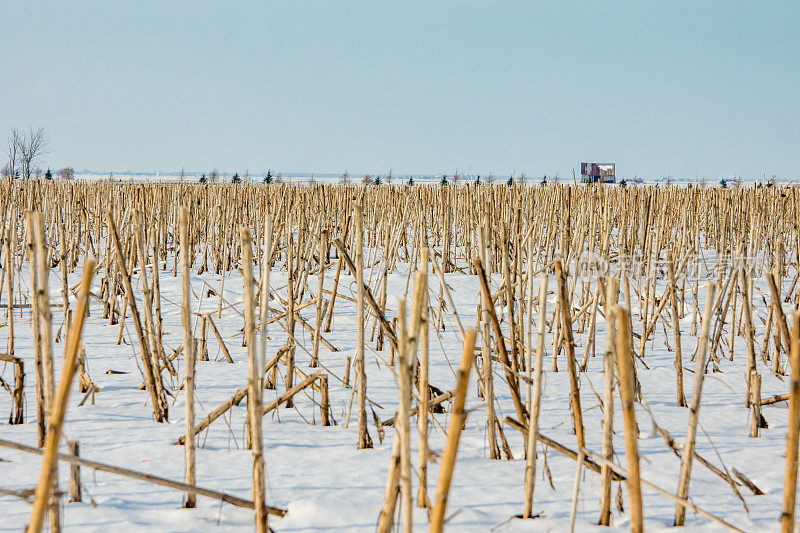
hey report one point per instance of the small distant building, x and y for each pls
(598, 173)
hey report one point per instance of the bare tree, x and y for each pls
(213, 175)
(66, 173)
(15, 138)
(31, 148)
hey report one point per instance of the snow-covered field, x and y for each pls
(327, 484)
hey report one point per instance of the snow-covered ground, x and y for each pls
(327, 484)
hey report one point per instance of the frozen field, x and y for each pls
(316, 472)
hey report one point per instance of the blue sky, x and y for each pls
(683, 88)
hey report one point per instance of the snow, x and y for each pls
(327, 484)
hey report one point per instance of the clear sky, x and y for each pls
(679, 88)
